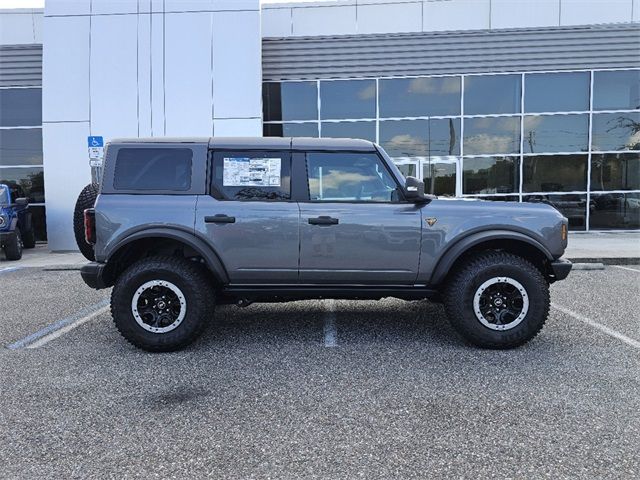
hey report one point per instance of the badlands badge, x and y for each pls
(431, 221)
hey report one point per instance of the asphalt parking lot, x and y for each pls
(320, 389)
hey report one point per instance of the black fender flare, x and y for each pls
(210, 257)
(453, 253)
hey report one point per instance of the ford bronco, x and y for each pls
(16, 228)
(181, 225)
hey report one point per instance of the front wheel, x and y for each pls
(497, 300)
(162, 304)
(13, 247)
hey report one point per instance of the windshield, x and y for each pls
(4, 195)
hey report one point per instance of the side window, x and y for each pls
(153, 169)
(349, 177)
(257, 176)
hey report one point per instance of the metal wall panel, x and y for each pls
(554, 48)
(20, 65)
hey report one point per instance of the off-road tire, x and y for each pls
(193, 282)
(29, 235)
(465, 281)
(86, 199)
(13, 248)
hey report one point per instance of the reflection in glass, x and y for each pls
(407, 169)
(289, 101)
(21, 146)
(556, 92)
(574, 207)
(501, 198)
(348, 99)
(290, 129)
(491, 135)
(364, 130)
(29, 180)
(487, 94)
(615, 211)
(38, 217)
(556, 133)
(615, 171)
(555, 173)
(490, 175)
(419, 97)
(439, 178)
(619, 90)
(405, 138)
(444, 136)
(616, 131)
(20, 107)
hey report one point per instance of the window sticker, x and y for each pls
(251, 172)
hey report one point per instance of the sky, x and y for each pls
(40, 3)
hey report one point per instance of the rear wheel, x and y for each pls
(497, 300)
(86, 199)
(13, 247)
(162, 303)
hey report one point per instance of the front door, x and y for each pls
(354, 227)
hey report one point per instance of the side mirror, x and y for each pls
(21, 202)
(414, 190)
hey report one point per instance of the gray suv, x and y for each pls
(182, 225)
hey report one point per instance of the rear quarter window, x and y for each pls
(153, 169)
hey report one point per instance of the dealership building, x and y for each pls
(504, 100)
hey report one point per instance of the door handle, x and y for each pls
(323, 220)
(219, 218)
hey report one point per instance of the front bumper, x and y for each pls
(561, 268)
(93, 275)
(6, 236)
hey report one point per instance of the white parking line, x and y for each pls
(330, 330)
(609, 331)
(9, 269)
(627, 268)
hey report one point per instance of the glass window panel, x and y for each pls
(556, 92)
(290, 129)
(491, 135)
(574, 207)
(153, 169)
(20, 107)
(486, 94)
(39, 219)
(348, 99)
(364, 130)
(613, 211)
(21, 147)
(616, 90)
(29, 180)
(408, 169)
(615, 171)
(439, 178)
(444, 136)
(501, 198)
(556, 133)
(616, 131)
(405, 138)
(555, 173)
(491, 175)
(290, 101)
(419, 97)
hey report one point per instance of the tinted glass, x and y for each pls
(364, 130)
(615, 171)
(556, 92)
(264, 176)
(348, 99)
(419, 97)
(349, 177)
(153, 169)
(491, 135)
(555, 173)
(490, 175)
(439, 178)
(290, 129)
(616, 131)
(556, 133)
(615, 211)
(21, 147)
(444, 136)
(574, 207)
(4, 195)
(616, 90)
(405, 138)
(29, 181)
(290, 101)
(408, 169)
(486, 94)
(20, 107)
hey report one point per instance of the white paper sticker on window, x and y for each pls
(251, 172)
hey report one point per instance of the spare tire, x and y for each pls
(86, 199)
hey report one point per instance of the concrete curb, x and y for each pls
(608, 261)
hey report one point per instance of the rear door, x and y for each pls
(355, 228)
(249, 217)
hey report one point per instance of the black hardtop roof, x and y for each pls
(261, 143)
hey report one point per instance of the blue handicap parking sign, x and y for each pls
(95, 142)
